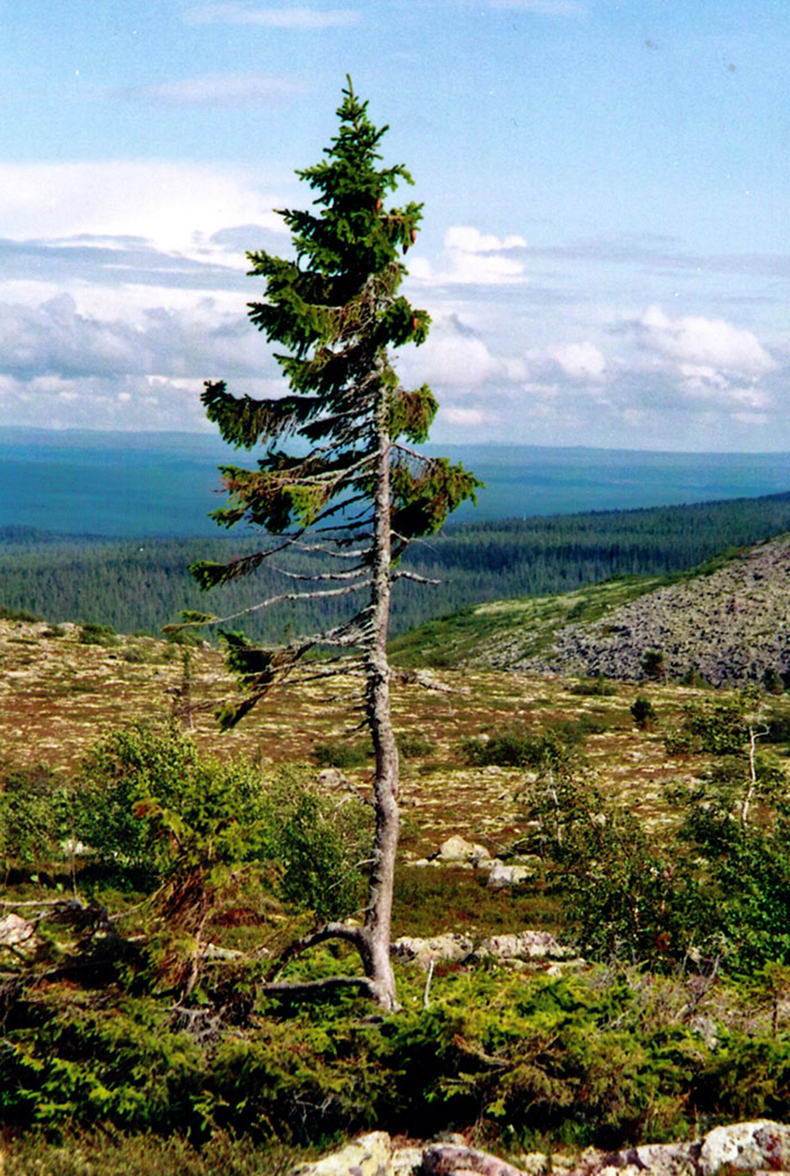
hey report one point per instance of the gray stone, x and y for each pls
(534, 1163)
(502, 876)
(745, 1147)
(451, 947)
(458, 849)
(17, 933)
(407, 1161)
(448, 1159)
(524, 945)
(370, 1155)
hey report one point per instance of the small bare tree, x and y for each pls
(353, 480)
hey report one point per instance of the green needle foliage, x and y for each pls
(338, 457)
(336, 309)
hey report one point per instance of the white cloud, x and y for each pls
(279, 18)
(218, 89)
(173, 206)
(704, 343)
(58, 340)
(454, 357)
(467, 418)
(473, 258)
(581, 361)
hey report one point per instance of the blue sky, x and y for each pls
(604, 250)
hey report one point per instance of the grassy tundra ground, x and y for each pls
(517, 1056)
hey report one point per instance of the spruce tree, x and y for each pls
(352, 480)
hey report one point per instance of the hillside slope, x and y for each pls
(730, 621)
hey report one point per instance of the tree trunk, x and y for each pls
(378, 913)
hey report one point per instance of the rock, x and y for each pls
(332, 778)
(370, 1155)
(407, 1161)
(17, 933)
(502, 875)
(657, 1159)
(458, 849)
(745, 1147)
(529, 945)
(456, 948)
(534, 1163)
(448, 1159)
(451, 947)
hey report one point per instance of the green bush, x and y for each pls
(341, 754)
(111, 1153)
(414, 746)
(151, 807)
(94, 634)
(35, 818)
(643, 712)
(17, 614)
(598, 687)
(622, 896)
(519, 748)
(654, 666)
(719, 728)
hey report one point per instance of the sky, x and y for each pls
(604, 248)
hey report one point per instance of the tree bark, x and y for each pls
(378, 913)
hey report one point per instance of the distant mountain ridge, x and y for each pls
(134, 485)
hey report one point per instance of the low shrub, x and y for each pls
(341, 754)
(94, 634)
(111, 1153)
(35, 818)
(593, 688)
(19, 614)
(519, 748)
(414, 746)
(643, 712)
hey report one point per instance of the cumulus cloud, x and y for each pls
(60, 364)
(710, 361)
(454, 357)
(473, 258)
(705, 343)
(56, 339)
(277, 18)
(223, 89)
(581, 361)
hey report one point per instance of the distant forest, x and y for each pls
(140, 586)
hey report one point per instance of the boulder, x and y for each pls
(655, 1159)
(502, 876)
(18, 934)
(746, 1147)
(455, 948)
(458, 849)
(370, 1155)
(524, 945)
(449, 1159)
(407, 1161)
(451, 947)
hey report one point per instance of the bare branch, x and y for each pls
(270, 600)
(305, 942)
(353, 574)
(305, 987)
(418, 579)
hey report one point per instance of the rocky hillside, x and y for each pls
(731, 625)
